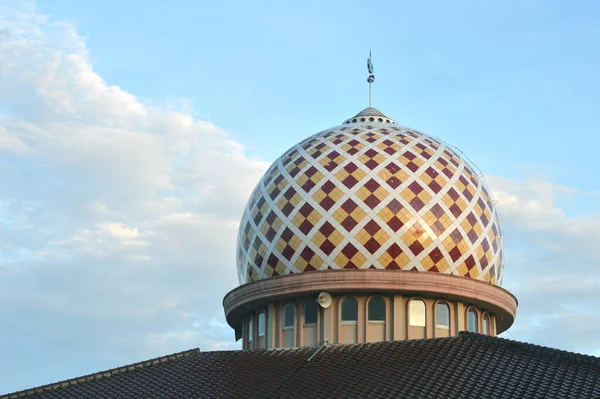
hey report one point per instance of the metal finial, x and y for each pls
(371, 77)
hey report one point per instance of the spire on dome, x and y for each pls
(371, 77)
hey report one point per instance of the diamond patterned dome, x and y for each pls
(370, 194)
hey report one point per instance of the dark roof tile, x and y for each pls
(467, 366)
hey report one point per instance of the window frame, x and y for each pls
(262, 312)
(385, 309)
(435, 311)
(486, 324)
(422, 301)
(283, 325)
(476, 313)
(348, 322)
(309, 302)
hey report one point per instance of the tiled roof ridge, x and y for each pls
(533, 348)
(100, 374)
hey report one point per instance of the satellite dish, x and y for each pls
(324, 299)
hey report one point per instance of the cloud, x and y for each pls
(551, 263)
(116, 217)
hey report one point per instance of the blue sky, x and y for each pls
(132, 132)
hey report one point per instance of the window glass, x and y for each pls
(472, 320)
(377, 309)
(442, 315)
(417, 313)
(350, 309)
(311, 310)
(288, 316)
(250, 329)
(486, 325)
(262, 319)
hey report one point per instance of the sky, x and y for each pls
(132, 133)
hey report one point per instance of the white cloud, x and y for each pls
(110, 208)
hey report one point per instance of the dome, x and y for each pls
(370, 194)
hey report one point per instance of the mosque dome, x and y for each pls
(370, 194)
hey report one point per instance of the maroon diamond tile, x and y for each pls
(416, 247)
(412, 166)
(349, 223)
(455, 210)
(448, 173)
(272, 261)
(327, 247)
(455, 254)
(287, 234)
(395, 206)
(392, 265)
(434, 186)
(425, 154)
(431, 172)
(308, 185)
(467, 194)
(483, 262)
(442, 161)
(463, 180)
(409, 155)
(371, 164)
(327, 203)
(294, 171)
(306, 209)
(349, 250)
(395, 224)
(393, 182)
(390, 150)
(372, 245)
(433, 269)
(394, 250)
(415, 187)
(372, 227)
(306, 227)
(417, 204)
(456, 236)
(371, 153)
(349, 181)
(307, 253)
(331, 165)
(453, 194)
(421, 146)
(349, 206)
(438, 228)
(388, 142)
(316, 154)
(470, 262)
(436, 255)
(352, 151)
(372, 185)
(485, 245)
(328, 186)
(392, 167)
(310, 171)
(372, 201)
(472, 219)
(326, 229)
(289, 193)
(350, 265)
(288, 252)
(333, 154)
(287, 209)
(309, 268)
(472, 235)
(437, 211)
(350, 168)
(354, 142)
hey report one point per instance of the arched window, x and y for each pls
(250, 329)
(472, 320)
(311, 311)
(288, 316)
(486, 324)
(442, 315)
(377, 309)
(416, 312)
(350, 310)
(262, 323)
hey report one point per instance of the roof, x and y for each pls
(467, 366)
